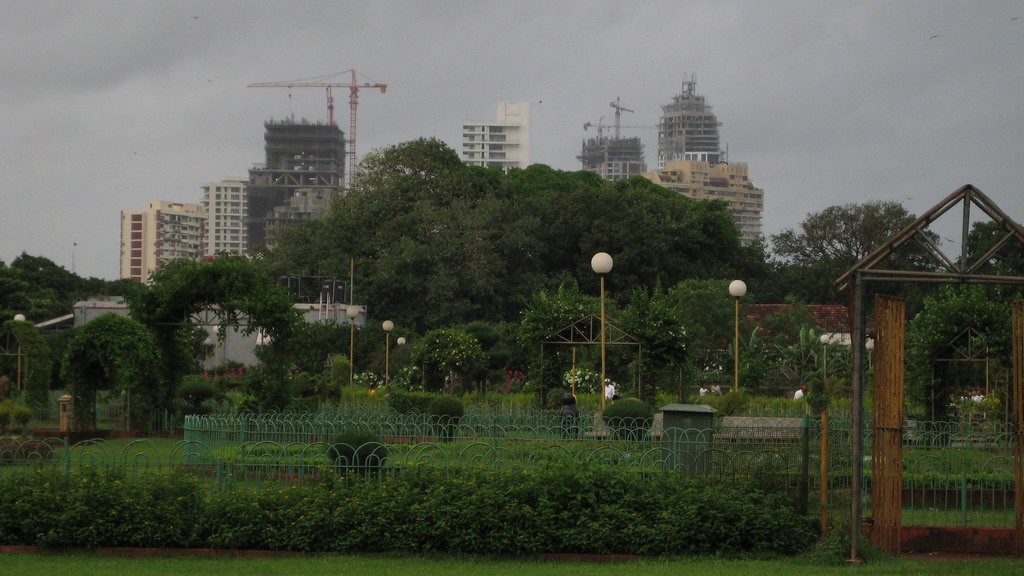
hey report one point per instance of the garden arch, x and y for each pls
(888, 355)
(226, 291)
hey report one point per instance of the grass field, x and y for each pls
(82, 564)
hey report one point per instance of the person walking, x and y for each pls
(569, 414)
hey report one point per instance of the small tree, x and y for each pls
(451, 360)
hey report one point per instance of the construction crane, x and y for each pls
(601, 127)
(325, 81)
(619, 109)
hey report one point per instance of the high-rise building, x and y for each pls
(687, 125)
(304, 169)
(504, 143)
(162, 232)
(699, 177)
(691, 162)
(613, 158)
(226, 208)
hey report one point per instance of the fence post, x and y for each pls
(805, 465)
(67, 458)
(824, 474)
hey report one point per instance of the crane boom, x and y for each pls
(353, 103)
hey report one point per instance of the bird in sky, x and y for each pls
(934, 36)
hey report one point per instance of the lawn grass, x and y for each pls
(85, 564)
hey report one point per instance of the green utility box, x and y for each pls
(687, 433)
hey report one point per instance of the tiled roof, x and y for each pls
(833, 318)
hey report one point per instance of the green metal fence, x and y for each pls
(955, 474)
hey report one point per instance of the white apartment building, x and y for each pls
(504, 143)
(162, 232)
(226, 207)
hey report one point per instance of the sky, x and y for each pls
(107, 105)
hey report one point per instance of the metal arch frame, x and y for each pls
(583, 331)
(961, 271)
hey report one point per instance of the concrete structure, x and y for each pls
(302, 156)
(226, 210)
(687, 125)
(504, 143)
(162, 232)
(234, 346)
(613, 158)
(700, 179)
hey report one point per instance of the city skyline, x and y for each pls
(827, 104)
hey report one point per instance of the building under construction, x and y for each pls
(304, 169)
(613, 158)
(687, 126)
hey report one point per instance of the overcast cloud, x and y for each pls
(107, 105)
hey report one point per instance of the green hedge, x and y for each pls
(588, 510)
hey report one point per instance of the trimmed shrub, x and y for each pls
(193, 392)
(21, 416)
(6, 413)
(445, 413)
(576, 509)
(358, 451)
(409, 402)
(629, 418)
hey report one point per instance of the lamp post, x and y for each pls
(601, 263)
(825, 340)
(352, 313)
(19, 318)
(737, 289)
(388, 326)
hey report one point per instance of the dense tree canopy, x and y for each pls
(438, 243)
(41, 290)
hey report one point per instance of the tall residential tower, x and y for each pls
(162, 232)
(504, 143)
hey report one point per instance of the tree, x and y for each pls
(118, 354)
(660, 328)
(829, 242)
(54, 290)
(32, 364)
(1007, 261)
(934, 334)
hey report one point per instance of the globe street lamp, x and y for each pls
(737, 289)
(352, 312)
(602, 264)
(19, 318)
(388, 326)
(825, 340)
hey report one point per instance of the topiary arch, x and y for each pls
(227, 291)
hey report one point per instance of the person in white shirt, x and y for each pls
(609, 389)
(800, 393)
